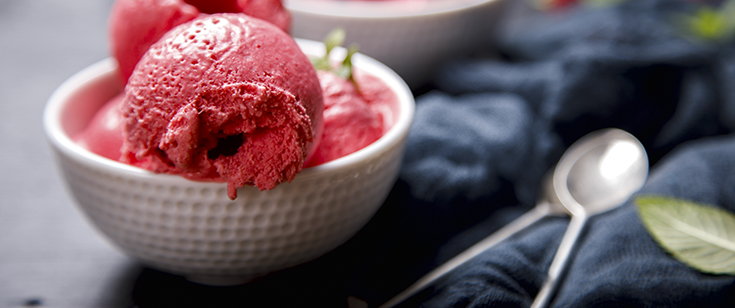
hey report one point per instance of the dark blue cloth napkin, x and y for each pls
(489, 128)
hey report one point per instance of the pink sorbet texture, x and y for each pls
(223, 97)
(134, 25)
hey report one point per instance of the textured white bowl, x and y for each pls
(411, 37)
(192, 228)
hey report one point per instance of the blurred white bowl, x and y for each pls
(410, 36)
(192, 228)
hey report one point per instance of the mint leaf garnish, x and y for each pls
(701, 236)
(336, 38)
(345, 71)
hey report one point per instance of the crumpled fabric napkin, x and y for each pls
(491, 127)
(617, 264)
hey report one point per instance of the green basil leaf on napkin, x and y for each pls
(701, 236)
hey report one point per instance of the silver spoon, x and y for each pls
(547, 205)
(597, 173)
(614, 192)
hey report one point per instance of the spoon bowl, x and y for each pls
(598, 173)
(610, 163)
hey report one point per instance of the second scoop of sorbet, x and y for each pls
(223, 97)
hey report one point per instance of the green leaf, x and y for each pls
(701, 236)
(320, 64)
(345, 71)
(708, 23)
(336, 38)
(350, 52)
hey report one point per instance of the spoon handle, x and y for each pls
(540, 211)
(561, 259)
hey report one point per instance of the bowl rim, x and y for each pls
(106, 68)
(382, 9)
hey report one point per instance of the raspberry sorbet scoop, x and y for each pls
(136, 24)
(225, 97)
(350, 123)
(103, 134)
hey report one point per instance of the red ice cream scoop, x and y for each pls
(349, 122)
(103, 134)
(136, 24)
(223, 97)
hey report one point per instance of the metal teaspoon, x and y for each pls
(597, 173)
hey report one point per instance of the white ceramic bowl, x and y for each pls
(410, 36)
(192, 228)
